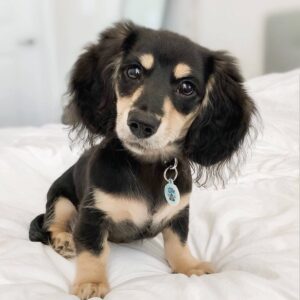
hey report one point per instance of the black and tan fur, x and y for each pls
(152, 96)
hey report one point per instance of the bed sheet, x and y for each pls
(249, 230)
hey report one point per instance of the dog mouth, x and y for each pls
(141, 146)
(146, 147)
(152, 151)
(136, 145)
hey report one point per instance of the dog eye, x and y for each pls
(134, 72)
(186, 88)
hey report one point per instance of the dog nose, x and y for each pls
(142, 124)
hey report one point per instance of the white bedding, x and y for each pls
(249, 230)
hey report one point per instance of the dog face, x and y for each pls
(162, 95)
(159, 91)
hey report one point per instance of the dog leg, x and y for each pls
(177, 251)
(58, 224)
(92, 247)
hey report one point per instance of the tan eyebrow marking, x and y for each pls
(147, 61)
(182, 70)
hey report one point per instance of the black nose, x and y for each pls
(142, 124)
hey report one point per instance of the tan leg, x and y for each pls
(180, 258)
(91, 279)
(61, 237)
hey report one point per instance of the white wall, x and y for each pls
(234, 25)
(27, 64)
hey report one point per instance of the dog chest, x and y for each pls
(136, 211)
(120, 209)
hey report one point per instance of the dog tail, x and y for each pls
(36, 231)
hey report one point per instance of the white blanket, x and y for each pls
(249, 230)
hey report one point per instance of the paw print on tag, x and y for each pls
(171, 193)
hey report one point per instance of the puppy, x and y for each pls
(162, 104)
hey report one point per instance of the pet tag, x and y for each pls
(172, 193)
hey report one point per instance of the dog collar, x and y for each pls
(172, 194)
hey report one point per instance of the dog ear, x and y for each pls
(224, 120)
(91, 88)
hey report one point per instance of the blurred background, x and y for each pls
(41, 39)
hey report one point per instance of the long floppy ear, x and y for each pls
(91, 88)
(223, 123)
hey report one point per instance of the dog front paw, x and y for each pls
(199, 268)
(88, 290)
(63, 244)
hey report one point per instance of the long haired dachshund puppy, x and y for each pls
(162, 104)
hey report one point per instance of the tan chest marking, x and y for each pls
(121, 209)
(124, 209)
(168, 211)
